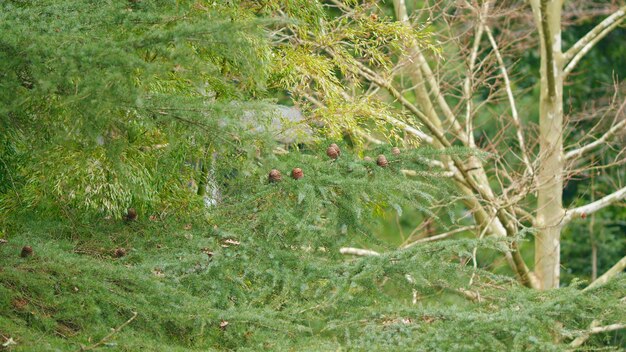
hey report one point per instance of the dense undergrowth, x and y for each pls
(192, 289)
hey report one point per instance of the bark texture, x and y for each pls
(550, 174)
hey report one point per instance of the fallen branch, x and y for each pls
(104, 339)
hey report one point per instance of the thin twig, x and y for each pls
(439, 237)
(474, 262)
(509, 93)
(104, 339)
(598, 142)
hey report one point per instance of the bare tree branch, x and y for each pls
(413, 173)
(509, 93)
(467, 85)
(439, 237)
(594, 206)
(615, 269)
(577, 153)
(476, 184)
(357, 251)
(407, 128)
(586, 43)
(595, 329)
(423, 69)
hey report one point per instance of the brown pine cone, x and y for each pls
(332, 152)
(26, 251)
(395, 151)
(382, 161)
(336, 148)
(297, 173)
(275, 176)
(119, 252)
(131, 215)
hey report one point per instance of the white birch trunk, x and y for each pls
(550, 174)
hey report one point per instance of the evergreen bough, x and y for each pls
(110, 105)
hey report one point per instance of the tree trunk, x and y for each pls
(550, 174)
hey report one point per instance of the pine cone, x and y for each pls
(131, 215)
(382, 161)
(119, 252)
(297, 173)
(26, 251)
(336, 148)
(395, 151)
(332, 153)
(275, 176)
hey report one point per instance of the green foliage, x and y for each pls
(97, 100)
(317, 59)
(90, 90)
(334, 202)
(267, 262)
(274, 295)
(106, 105)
